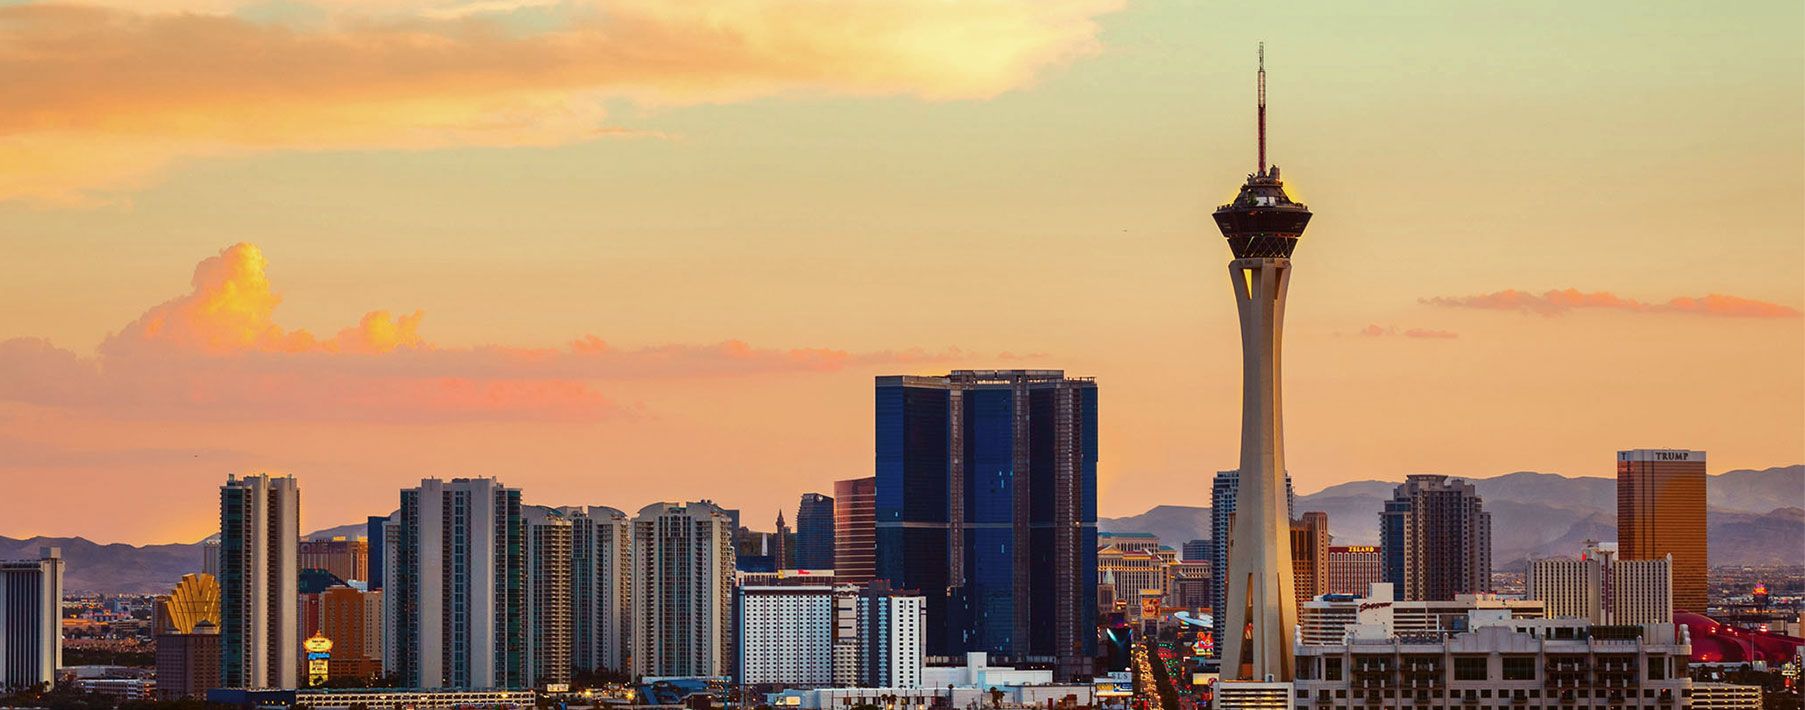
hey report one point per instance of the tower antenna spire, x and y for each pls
(1262, 97)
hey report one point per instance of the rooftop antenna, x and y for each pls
(1262, 108)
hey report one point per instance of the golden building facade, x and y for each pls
(1661, 512)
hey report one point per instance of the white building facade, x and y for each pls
(892, 639)
(786, 633)
(1327, 619)
(682, 597)
(801, 629)
(600, 545)
(31, 620)
(1602, 588)
(548, 597)
(459, 586)
(259, 582)
(1501, 662)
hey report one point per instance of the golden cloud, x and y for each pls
(102, 98)
(232, 309)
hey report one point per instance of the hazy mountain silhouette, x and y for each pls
(115, 568)
(128, 569)
(1755, 517)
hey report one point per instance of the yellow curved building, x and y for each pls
(194, 599)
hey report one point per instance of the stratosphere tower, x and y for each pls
(1262, 226)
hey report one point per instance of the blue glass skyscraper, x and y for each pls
(814, 532)
(373, 533)
(987, 505)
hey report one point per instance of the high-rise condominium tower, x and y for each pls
(1661, 512)
(814, 532)
(1436, 539)
(259, 578)
(599, 548)
(548, 598)
(987, 504)
(31, 620)
(683, 566)
(1262, 225)
(855, 530)
(459, 586)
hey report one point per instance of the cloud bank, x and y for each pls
(218, 353)
(1562, 302)
(102, 98)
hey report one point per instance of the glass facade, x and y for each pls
(234, 578)
(1391, 527)
(1660, 512)
(373, 532)
(986, 505)
(990, 535)
(912, 464)
(814, 532)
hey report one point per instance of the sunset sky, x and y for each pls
(621, 251)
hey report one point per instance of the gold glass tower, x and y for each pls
(1661, 512)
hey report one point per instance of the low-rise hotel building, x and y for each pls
(1500, 663)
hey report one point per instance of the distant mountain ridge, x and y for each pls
(115, 568)
(118, 568)
(1750, 517)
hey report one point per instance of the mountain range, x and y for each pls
(1755, 517)
(1752, 518)
(118, 568)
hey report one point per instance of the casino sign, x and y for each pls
(319, 659)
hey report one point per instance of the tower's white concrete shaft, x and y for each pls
(1262, 605)
(1262, 225)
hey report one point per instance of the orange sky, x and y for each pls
(653, 249)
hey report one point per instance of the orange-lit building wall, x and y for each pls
(1660, 512)
(855, 530)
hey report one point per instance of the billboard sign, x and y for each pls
(319, 659)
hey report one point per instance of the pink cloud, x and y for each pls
(1378, 331)
(1561, 302)
(217, 352)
